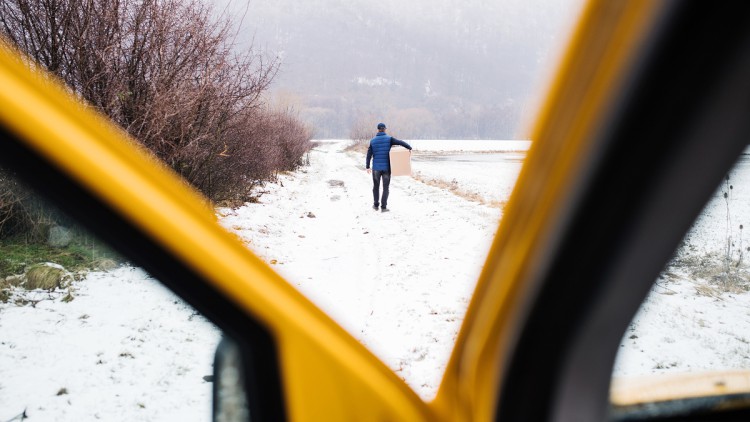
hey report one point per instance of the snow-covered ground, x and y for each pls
(400, 282)
(127, 349)
(690, 322)
(483, 170)
(124, 349)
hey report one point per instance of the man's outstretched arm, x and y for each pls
(395, 141)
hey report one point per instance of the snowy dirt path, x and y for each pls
(399, 281)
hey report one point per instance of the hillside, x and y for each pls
(438, 69)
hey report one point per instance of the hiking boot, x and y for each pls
(385, 210)
(375, 207)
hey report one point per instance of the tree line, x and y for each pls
(169, 73)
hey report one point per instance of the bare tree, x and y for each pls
(164, 70)
(362, 129)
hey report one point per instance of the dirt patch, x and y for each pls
(336, 183)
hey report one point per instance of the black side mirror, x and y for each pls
(229, 392)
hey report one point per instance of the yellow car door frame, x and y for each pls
(648, 114)
(651, 97)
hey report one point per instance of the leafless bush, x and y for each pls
(361, 131)
(21, 213)
(363, 128)
(259, 144)
(167, 72)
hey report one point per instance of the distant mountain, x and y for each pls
(430, 69)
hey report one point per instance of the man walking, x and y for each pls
(380, 147)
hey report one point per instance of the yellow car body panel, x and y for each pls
(590, 75)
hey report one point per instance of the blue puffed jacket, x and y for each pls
(378, 151)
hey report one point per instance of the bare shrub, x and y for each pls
(23, 214)
(733, 275)
(258, 145)
(361, 131)
(363, 127)
(167, 72)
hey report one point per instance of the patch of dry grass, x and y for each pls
(708, 291)
(454, 188)
(358, 146)
(45, 277)
(713, 275)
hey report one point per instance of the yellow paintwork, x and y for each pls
(327, 374)
(603, 49)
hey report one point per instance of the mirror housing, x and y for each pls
(230, 403)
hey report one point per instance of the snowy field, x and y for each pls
(461, 146)
(127, 349)
(691, 322)
(124, 349)
(483, 171)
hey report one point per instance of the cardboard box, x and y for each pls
(400, 161)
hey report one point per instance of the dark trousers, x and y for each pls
(376, 175)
